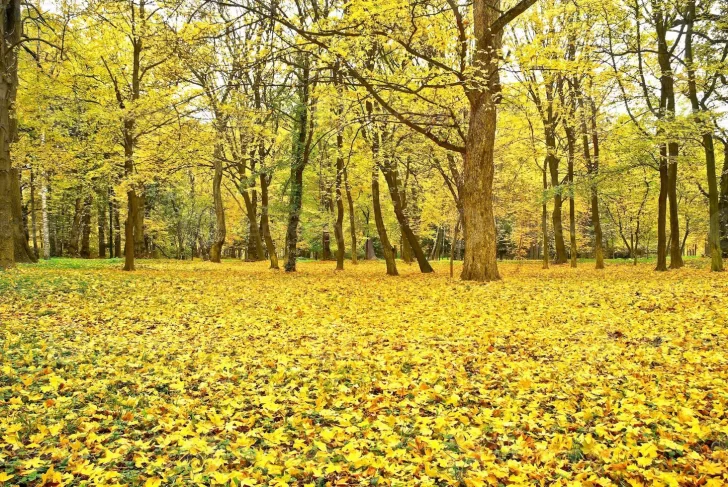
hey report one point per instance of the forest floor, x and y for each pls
(202, 374)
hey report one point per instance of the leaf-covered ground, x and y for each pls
(197, 374)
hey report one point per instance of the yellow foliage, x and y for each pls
(232, 374)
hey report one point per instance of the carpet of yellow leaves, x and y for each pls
(197, 374)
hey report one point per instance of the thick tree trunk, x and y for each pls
(556, 220)
(85, 251)
(22, 251)
(255, 239)
(140, 250)
(479, 261)
(300, 160)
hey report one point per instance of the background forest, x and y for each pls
(324, 129)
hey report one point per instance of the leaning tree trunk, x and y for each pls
(390, 177)
(379, 221)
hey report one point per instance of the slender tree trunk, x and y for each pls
(44, 217)
(22, 251)
(140, 250)
(453, 246)
(101, 208)
(75, 234)
(34, 227)
(571, 148)
(723, 201)
(662, 212)
(352, 219)
(594, 173)
(676, 260)
(339, 224)
(264, 221)
(545, 222)
(86, 229)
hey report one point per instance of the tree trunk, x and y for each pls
(676, 260)
(44, 218)
(545, 222)
(12, 31)
(264, 222)
(86, 229)
(390, 177)
(594, 173)
(379, 221)
(662, 213)
(75, 234)
(571, 149)
(255, 239)
(479, 261)
(140, 250)
(220, 230)
(34, 227)
(352, 219)
(300, 160)
(723, 201)
(716, 258)
(101, 223)
(339, 223)
(22, 251)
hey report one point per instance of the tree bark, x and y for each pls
(379, 221)
(101, 224)
(662, 212)
(85, 251)
(34, 227)
(390, 177)
(716, 258)
(352, 219)
(545, 222)
(12, 31)
(339, 223)
(22, 251)
(571, 149)
(264, 221)
(44, 218)
(300, 160)
(75, 234)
